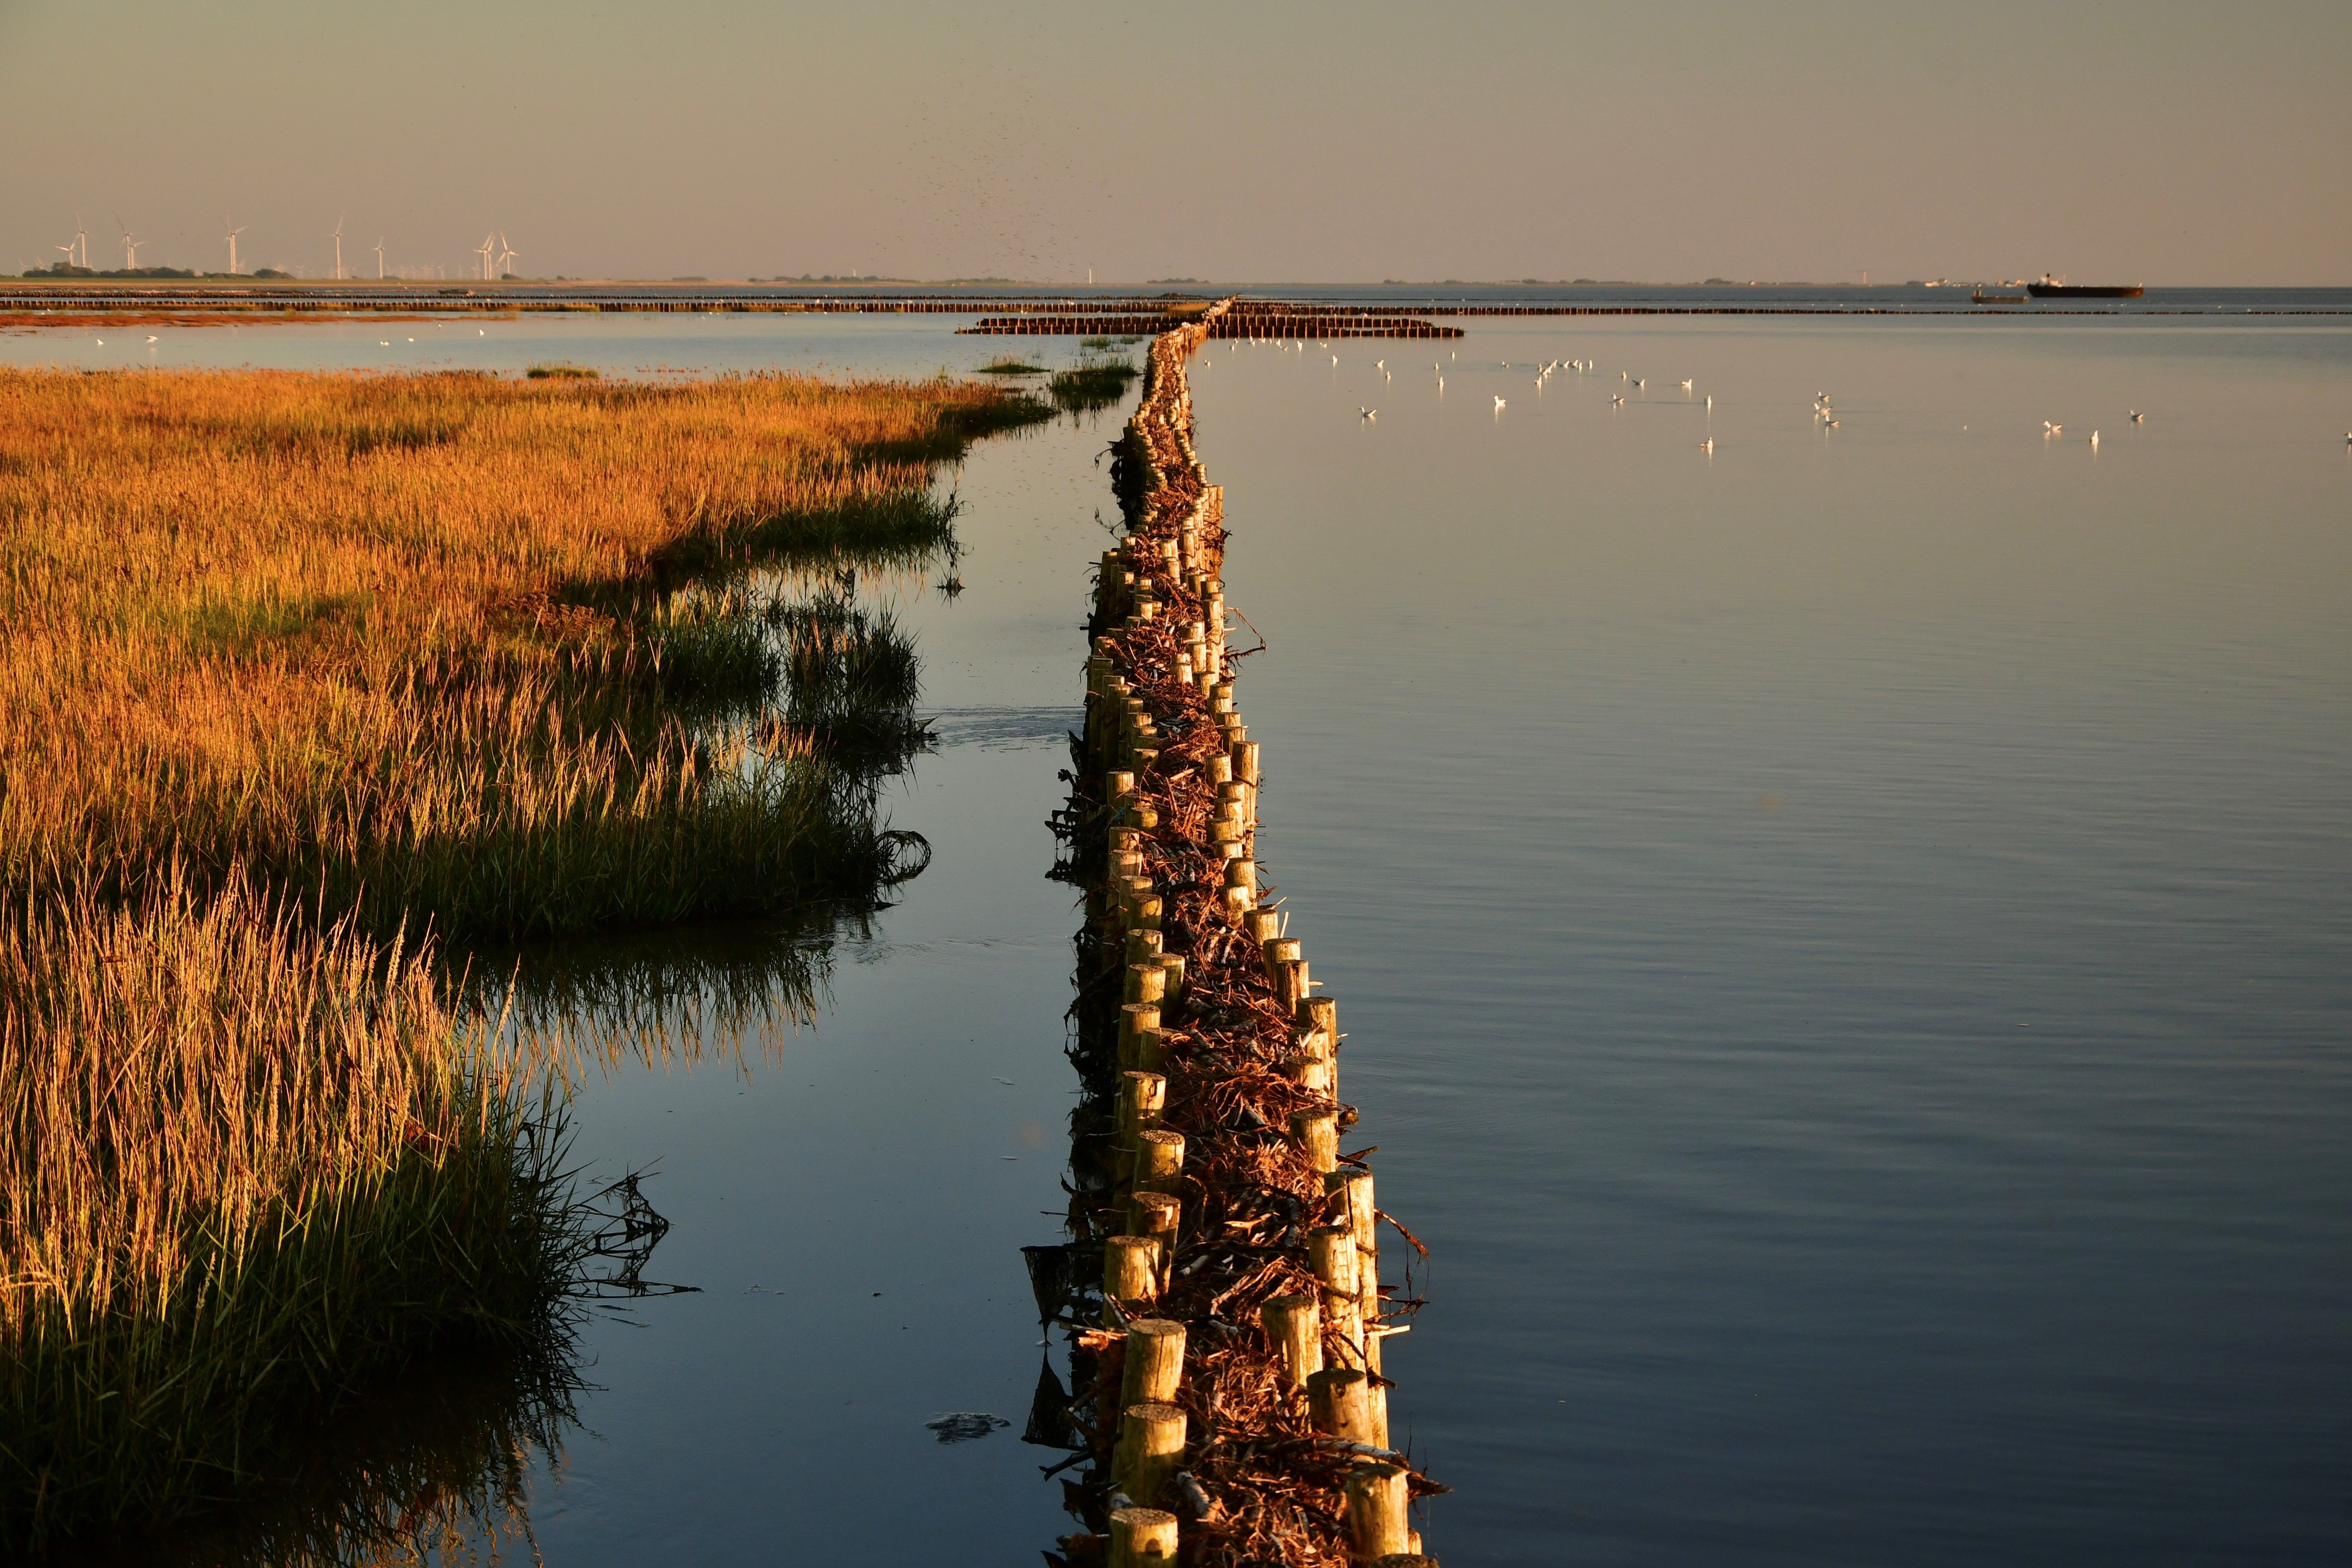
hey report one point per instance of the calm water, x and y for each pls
(1846, 942)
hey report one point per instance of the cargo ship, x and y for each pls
(2059, 288)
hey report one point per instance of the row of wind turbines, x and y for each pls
(497, 255)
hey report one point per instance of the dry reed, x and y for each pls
(299, 667)
(419, 643)
(247, 1158)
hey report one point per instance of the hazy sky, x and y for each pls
(2169, 143)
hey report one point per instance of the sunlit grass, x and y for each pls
(416, 643)
(303, 669)
(247, 1160)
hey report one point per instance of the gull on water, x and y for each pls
(1710, 400)
(1368, 413)
(1686, 381)
(2050, 429)
(1707, 446)
(2138, 417)
(150, 337)
(1498, 402)
(2094, 437)
(1616, 398)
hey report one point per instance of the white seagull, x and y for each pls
(1617, 399)
(1368, 413)
(2094, 437)
(1707, 446)
(1686, 381)
(2138, 417)
(1499, 402)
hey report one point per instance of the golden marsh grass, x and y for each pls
(301, 669)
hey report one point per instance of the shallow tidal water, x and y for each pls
(1845, 940)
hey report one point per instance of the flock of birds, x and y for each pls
(1825, 415)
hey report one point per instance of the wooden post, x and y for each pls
(1316, 1134)
(1141, 1096)
(1172, 972)
(1263, 926)
(1155, 1361)
(1156, 1215)
(1241, 872)
(1158, 1160)
(1139, 1036)
(1130, 1273)
(1286, 969)
(1310, 1072)
(1146, 982)
(1151, 1449)
(1377, 1524)
(1363, 1214)
(1142, 946)
(1142, 1538)
(1246, 768)
(1295, 1324)
(1332, 1250)
(1335, 1405)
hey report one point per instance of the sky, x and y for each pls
(1669, 141)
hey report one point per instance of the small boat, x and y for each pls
(2059, 288)
(1981, 298)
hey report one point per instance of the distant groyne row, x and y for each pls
(66, 302)
(1223, 1287)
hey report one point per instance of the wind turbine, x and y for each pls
(506, 254)
(131, 245)
(81, 243)
(338, 248)
(231, 237)
(379, 258)
(483, 250)
(69, 253)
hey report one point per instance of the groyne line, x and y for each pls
(1224, 1289)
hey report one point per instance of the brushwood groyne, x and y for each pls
(1225, 1288)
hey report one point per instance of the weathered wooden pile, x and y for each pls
(1223, 1290)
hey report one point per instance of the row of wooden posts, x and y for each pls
(1324, 1344)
